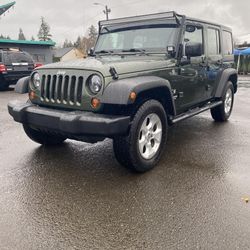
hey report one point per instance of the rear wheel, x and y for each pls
(43, 137)
(142, 148)
(222, 112)
(3, 85)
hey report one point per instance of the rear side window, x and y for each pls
(213, 41)
(227, 43)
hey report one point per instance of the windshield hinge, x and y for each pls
(113, 73)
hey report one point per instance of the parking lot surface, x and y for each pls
(77, 196)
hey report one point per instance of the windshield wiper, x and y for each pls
(134, 50)
(104, 52)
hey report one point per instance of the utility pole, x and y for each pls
(106, 11)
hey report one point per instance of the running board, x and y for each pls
(195, 111)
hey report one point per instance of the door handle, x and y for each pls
(187, 73)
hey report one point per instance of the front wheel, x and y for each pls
(142, 148)
(43, 138)
(222, 112)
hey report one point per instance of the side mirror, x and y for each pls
(193, 49)
(91, 52)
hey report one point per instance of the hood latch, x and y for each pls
(113, 73)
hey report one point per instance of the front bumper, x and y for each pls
(69, 122)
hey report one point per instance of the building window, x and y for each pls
(39, 58)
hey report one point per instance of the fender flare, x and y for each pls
(22, 85)
(225, 75)
(117, 92)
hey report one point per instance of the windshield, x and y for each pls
(153, 38)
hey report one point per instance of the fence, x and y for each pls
(244, 64)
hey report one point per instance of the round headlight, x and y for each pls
(36, 80)
(95, 84)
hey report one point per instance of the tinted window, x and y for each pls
(213, 41)
(19, 57)
(1, 57)
(6, 58)
(227, 43)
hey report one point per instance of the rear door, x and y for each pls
(214, 57)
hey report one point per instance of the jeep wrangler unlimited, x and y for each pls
(144, 74)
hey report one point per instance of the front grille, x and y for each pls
(60, 89)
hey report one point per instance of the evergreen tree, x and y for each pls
(21, 35)
(78, 42)
(67, 44)
(44, 31)
(92, 36)
(32, 38)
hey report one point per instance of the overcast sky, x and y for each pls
(70, 18)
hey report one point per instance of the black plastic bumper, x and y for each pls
(69, 122)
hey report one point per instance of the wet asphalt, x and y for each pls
(77, 196)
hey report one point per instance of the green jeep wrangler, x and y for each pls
(145, 74)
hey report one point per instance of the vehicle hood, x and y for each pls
(122, 65)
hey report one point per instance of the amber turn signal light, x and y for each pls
(32, 95)
(132, 96)
(95, 103)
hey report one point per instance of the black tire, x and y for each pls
(3, 85)
(219, 113)
(43, 138)
(126, 148)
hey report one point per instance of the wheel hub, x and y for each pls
(150, 136)
(228, 101)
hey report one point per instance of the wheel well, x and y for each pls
(234, 80)
(161, 94)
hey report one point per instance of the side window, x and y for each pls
(213, 37)
(227, 43)
(194, 34)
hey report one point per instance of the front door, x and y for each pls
(190, 84)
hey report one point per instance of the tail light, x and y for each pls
(36, 65)
(3, 68)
